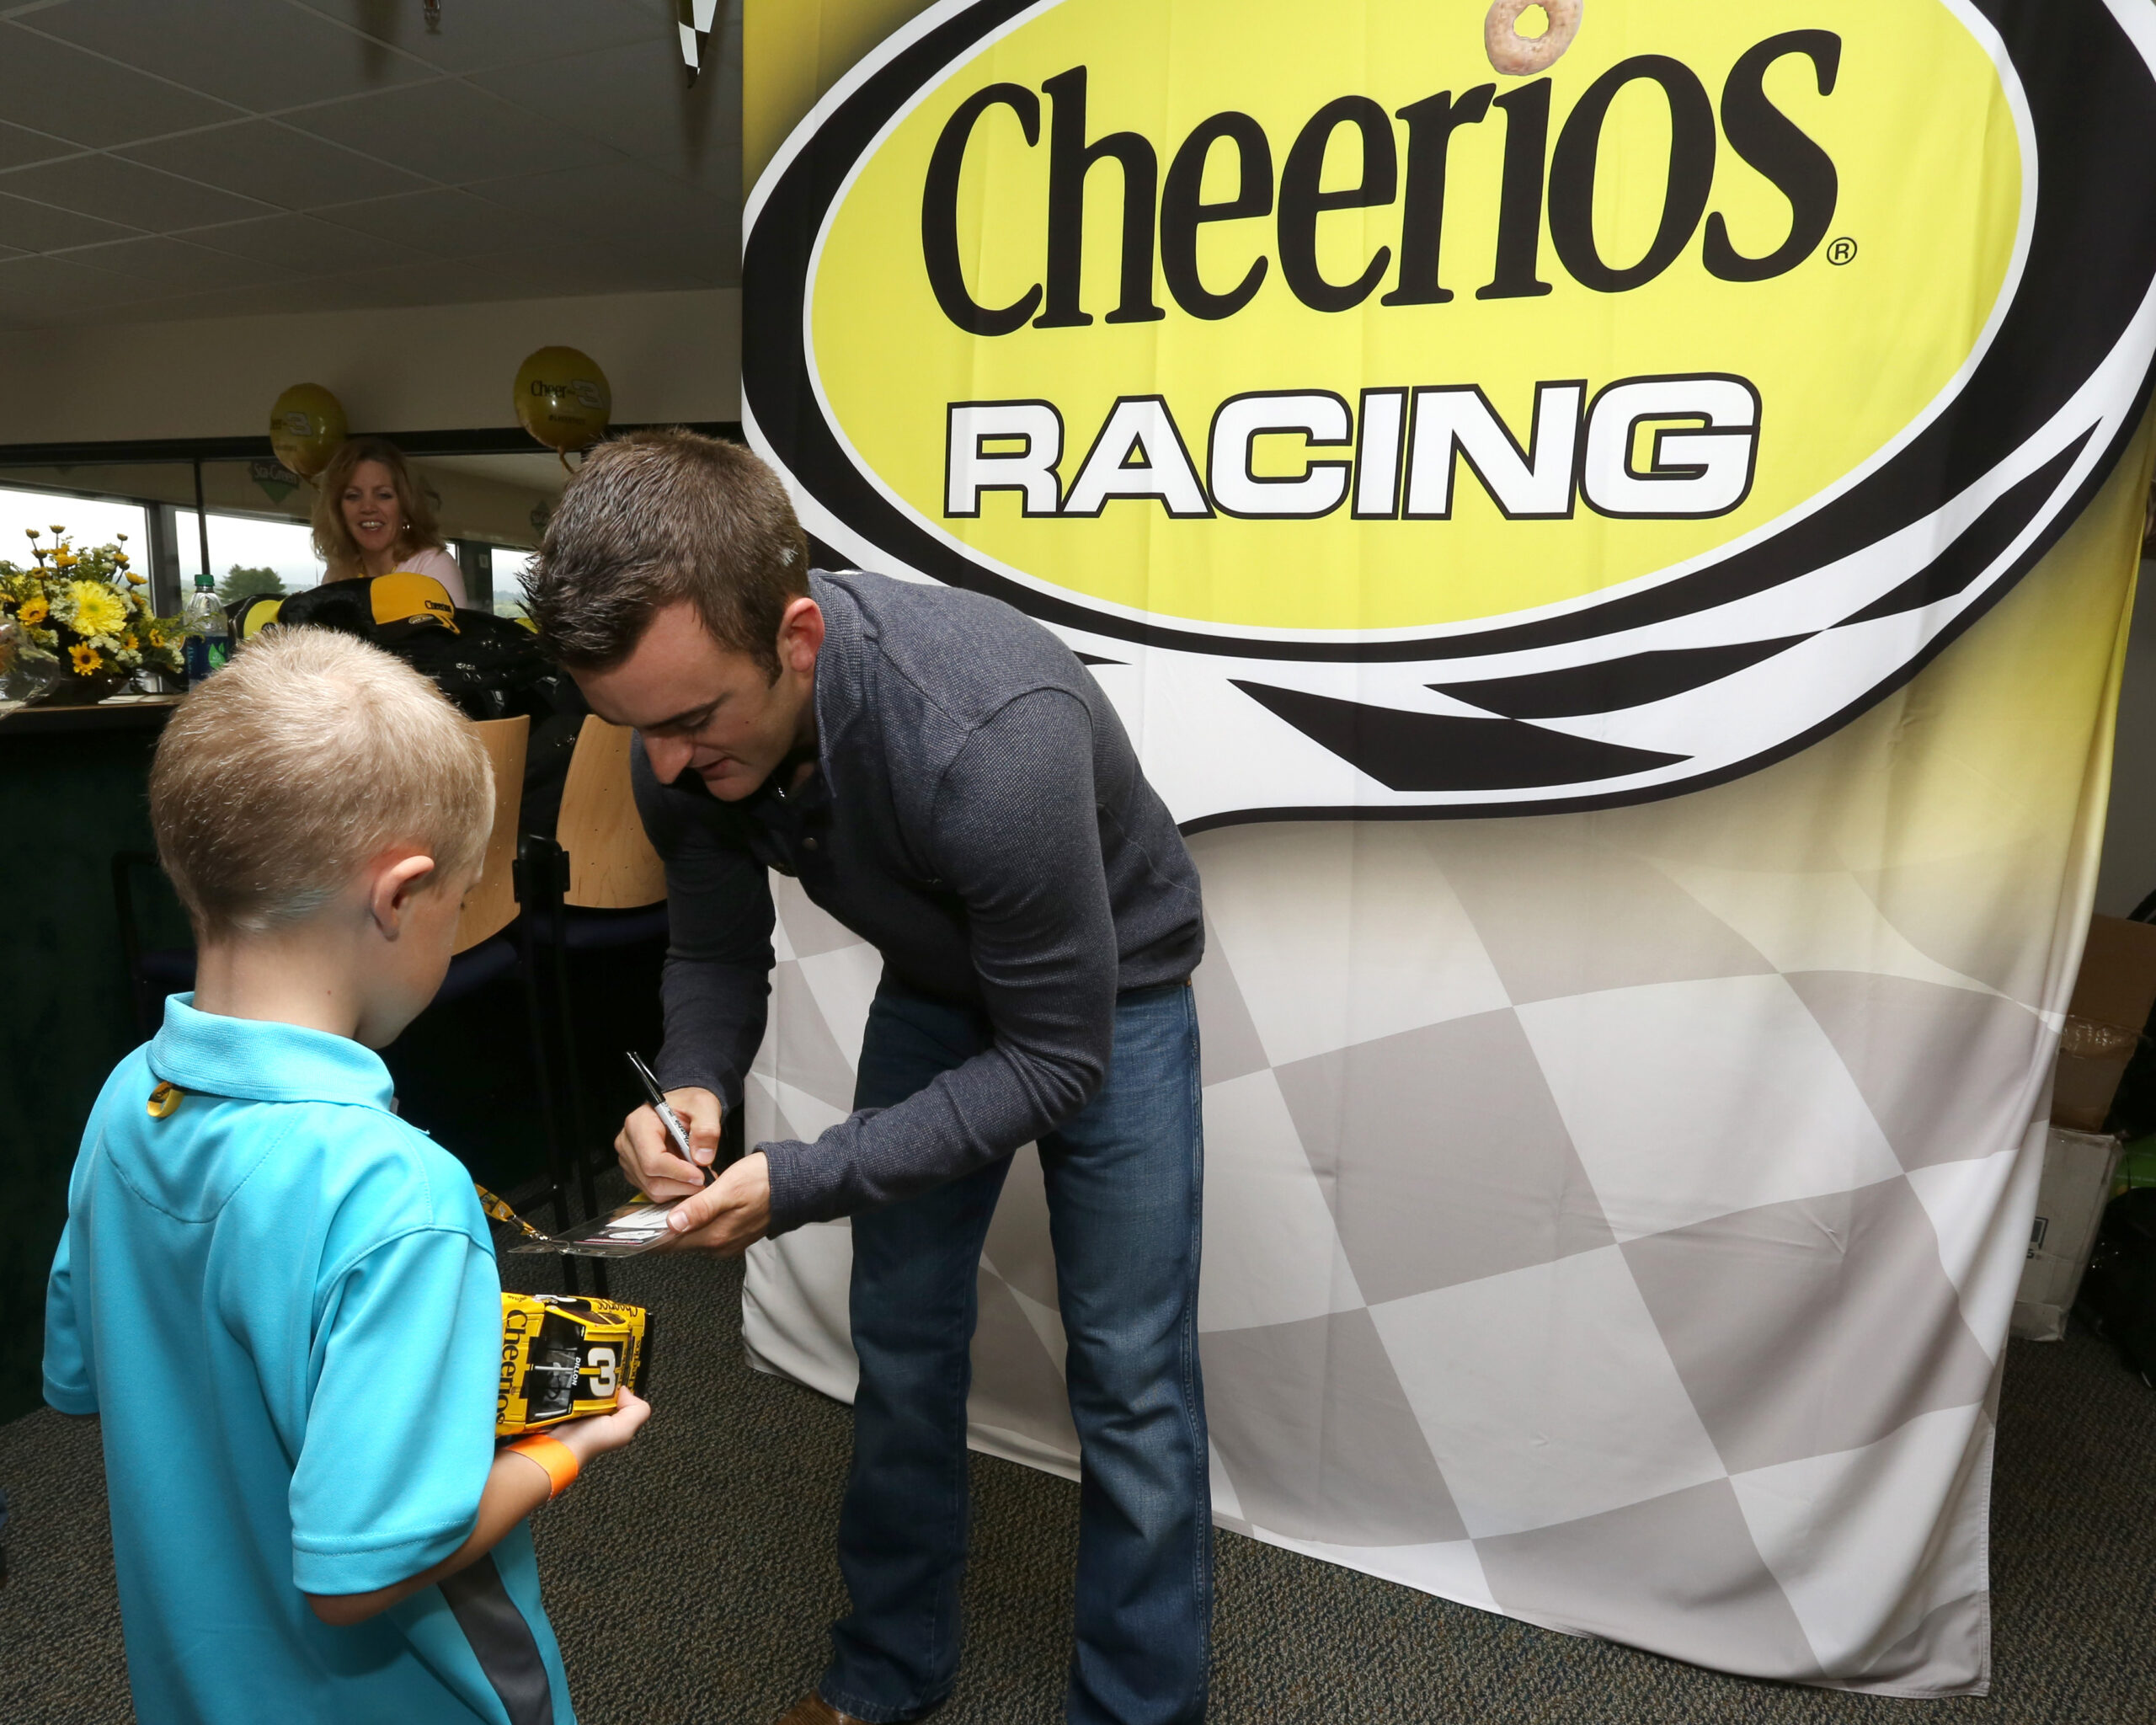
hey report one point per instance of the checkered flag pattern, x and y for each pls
(1613, 1232)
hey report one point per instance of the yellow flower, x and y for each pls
(96, 609)
(87, 660)
(138, 580)
(128, 643)
(33, 610)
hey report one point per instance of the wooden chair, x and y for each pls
(612, 866)
(492, 906)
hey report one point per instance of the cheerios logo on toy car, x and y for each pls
(1449, 408)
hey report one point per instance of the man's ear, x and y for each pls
(801, 635)
(398, 880)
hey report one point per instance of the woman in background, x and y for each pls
(371, 518)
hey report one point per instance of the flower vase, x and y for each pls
(73, 691)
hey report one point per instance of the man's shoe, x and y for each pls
(811, 1709)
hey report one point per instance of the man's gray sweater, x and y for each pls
(978, 816)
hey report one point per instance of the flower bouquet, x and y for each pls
(82, 619)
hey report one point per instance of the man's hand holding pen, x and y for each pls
(727, 1216)
(649, 1156)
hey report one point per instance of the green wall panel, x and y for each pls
(67, 802)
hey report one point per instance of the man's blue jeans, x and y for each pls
(1124, 1178)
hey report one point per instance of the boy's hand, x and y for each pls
(601, 1432)
(645, 1148)
(516, 1484)
(732, 1214)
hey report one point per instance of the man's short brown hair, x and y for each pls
(311, 753)
(657, 517)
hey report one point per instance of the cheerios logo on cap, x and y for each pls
(1456, 407)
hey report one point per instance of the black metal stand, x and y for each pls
(547, 870)
(535, 869)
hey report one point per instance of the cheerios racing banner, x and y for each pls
(1440, 439)
(1708, 429)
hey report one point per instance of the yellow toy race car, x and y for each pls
(564, 1358)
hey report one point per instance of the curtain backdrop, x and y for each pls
(1613, 1213)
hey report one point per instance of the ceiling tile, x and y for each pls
(298, 243)
(614, 199)
(264, 300)
(438, 285)
(718, 173)
(429, 284)
(447, 224)
(33, 287)
(164, 265)
(259, 158)
(20, 146)
(269, 299)
(634, 98)
(449, 131)
(643, 220)
(39, 227)
(713, 258)
(56, 89)
(583, 269)
(480, 33)
(262, 55)
(593, 167)
(115, 190)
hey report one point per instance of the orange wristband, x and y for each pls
(554, 1455)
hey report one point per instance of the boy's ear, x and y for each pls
(397, 881)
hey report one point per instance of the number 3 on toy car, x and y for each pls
(599, 1363)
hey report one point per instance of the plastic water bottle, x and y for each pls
(209, 641)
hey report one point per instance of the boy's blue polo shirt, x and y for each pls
(283, 1302)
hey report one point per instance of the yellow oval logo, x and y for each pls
(1216, 332)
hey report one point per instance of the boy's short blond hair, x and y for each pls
(309, 754)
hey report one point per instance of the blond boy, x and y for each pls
(282, 1301)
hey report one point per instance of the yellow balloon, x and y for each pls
(563, 399)
(306, 426)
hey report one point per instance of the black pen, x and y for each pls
(675, 1129)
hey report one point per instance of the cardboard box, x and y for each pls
(2070, 1200)
(2112, 997)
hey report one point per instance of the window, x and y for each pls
(287, 548)
(508, 575)
(274, 552)
(88, 521)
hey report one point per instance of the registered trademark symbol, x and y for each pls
(1842, 251)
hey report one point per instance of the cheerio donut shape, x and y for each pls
(1517, 55)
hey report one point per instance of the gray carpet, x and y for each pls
(692, 1576)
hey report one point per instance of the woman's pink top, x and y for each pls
(433, 561)
(436, 561)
